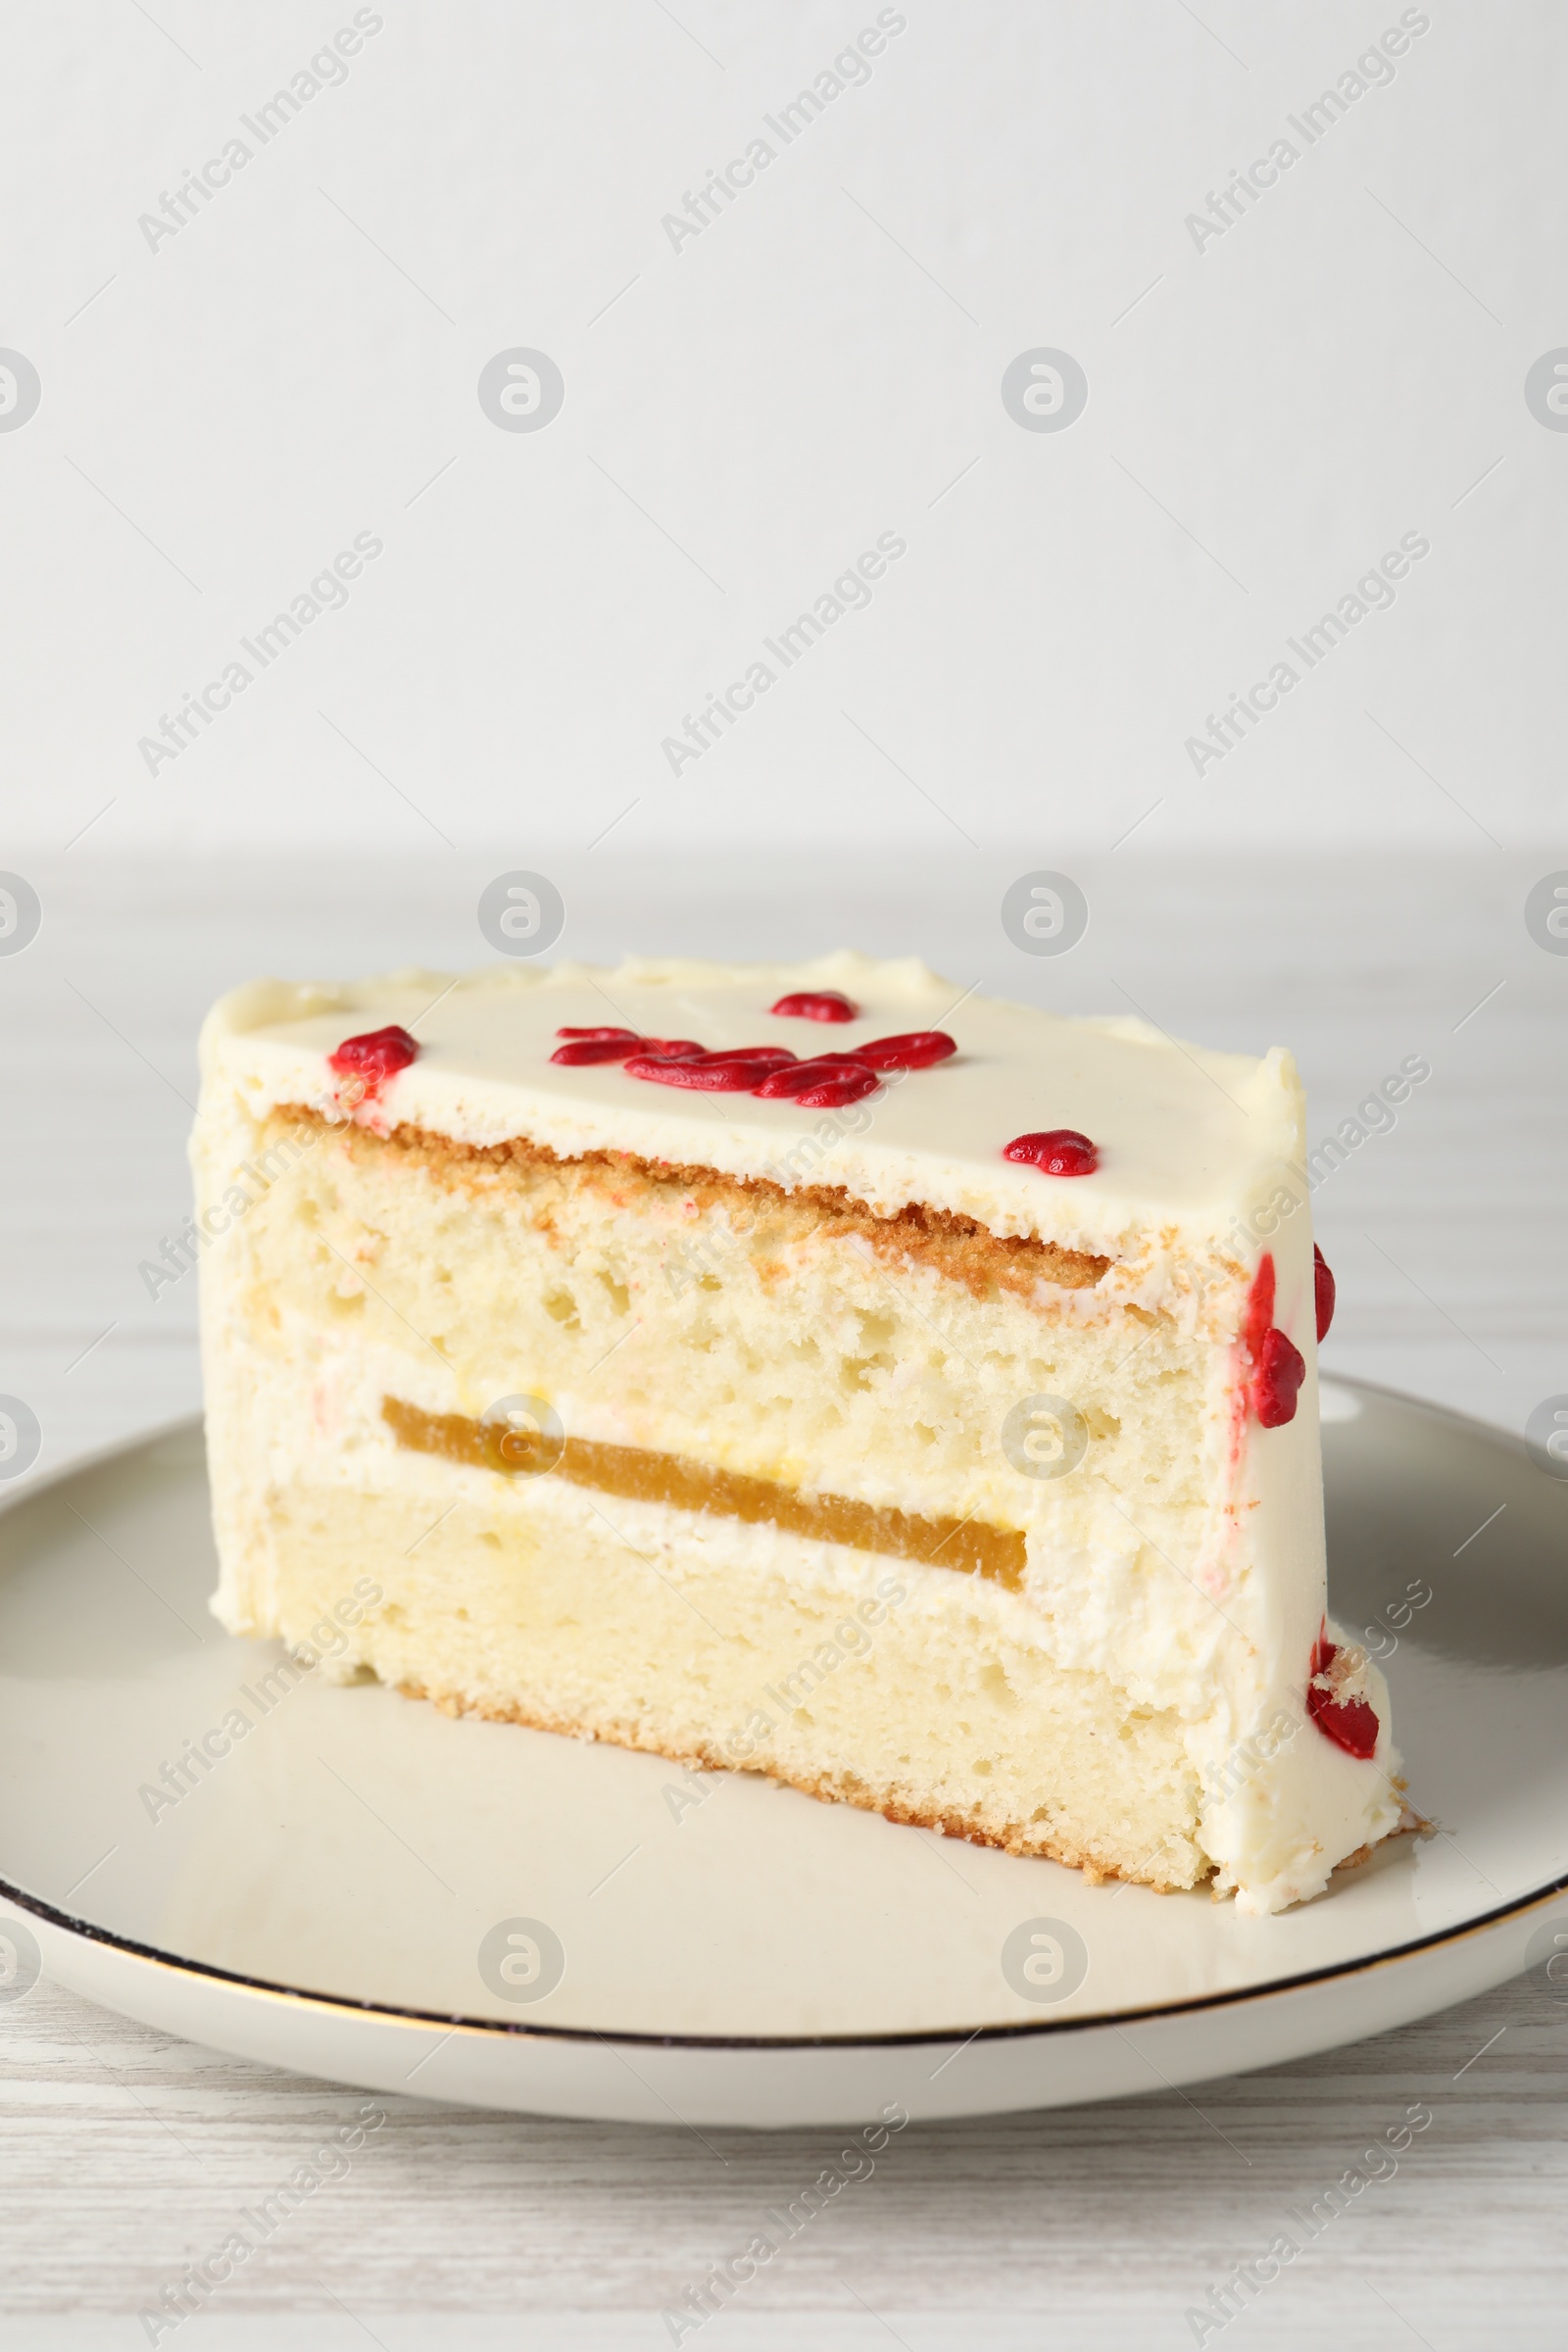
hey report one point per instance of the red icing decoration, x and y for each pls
(712, 1074)
(1259, 1310)
(831, 1093)
(826, 1070)
(912, 1050)
(815, 1004)
(1322, 1293)
(823, 1082)
(614, 1044)
(1281, 1370)
(777, 1058)
(1274, 1365)
(374, 1057)
(1350, 1723)
(612, 1047)
(1059, 1150)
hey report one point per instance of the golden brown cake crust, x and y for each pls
(1028, 1839)
(1031, 1840)
(958, 1247)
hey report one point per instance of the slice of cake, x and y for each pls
(812, 1370)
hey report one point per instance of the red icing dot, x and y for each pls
(1281, 1370)
(1058, 1150)
(630, 1035)
(1350, 1723)
(374, 1057)
(815, 1004)
(1322, 1293)
(912, 1050)
(825, 1069)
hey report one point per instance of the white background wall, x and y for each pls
(223, 413)
(224, 408)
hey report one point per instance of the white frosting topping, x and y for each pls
(1189, 1140)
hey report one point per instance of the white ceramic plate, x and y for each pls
(362, 1888)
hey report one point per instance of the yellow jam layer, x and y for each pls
(638, 1475)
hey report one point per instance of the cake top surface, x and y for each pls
(1190, 1141)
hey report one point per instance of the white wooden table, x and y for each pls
(125, 2154)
